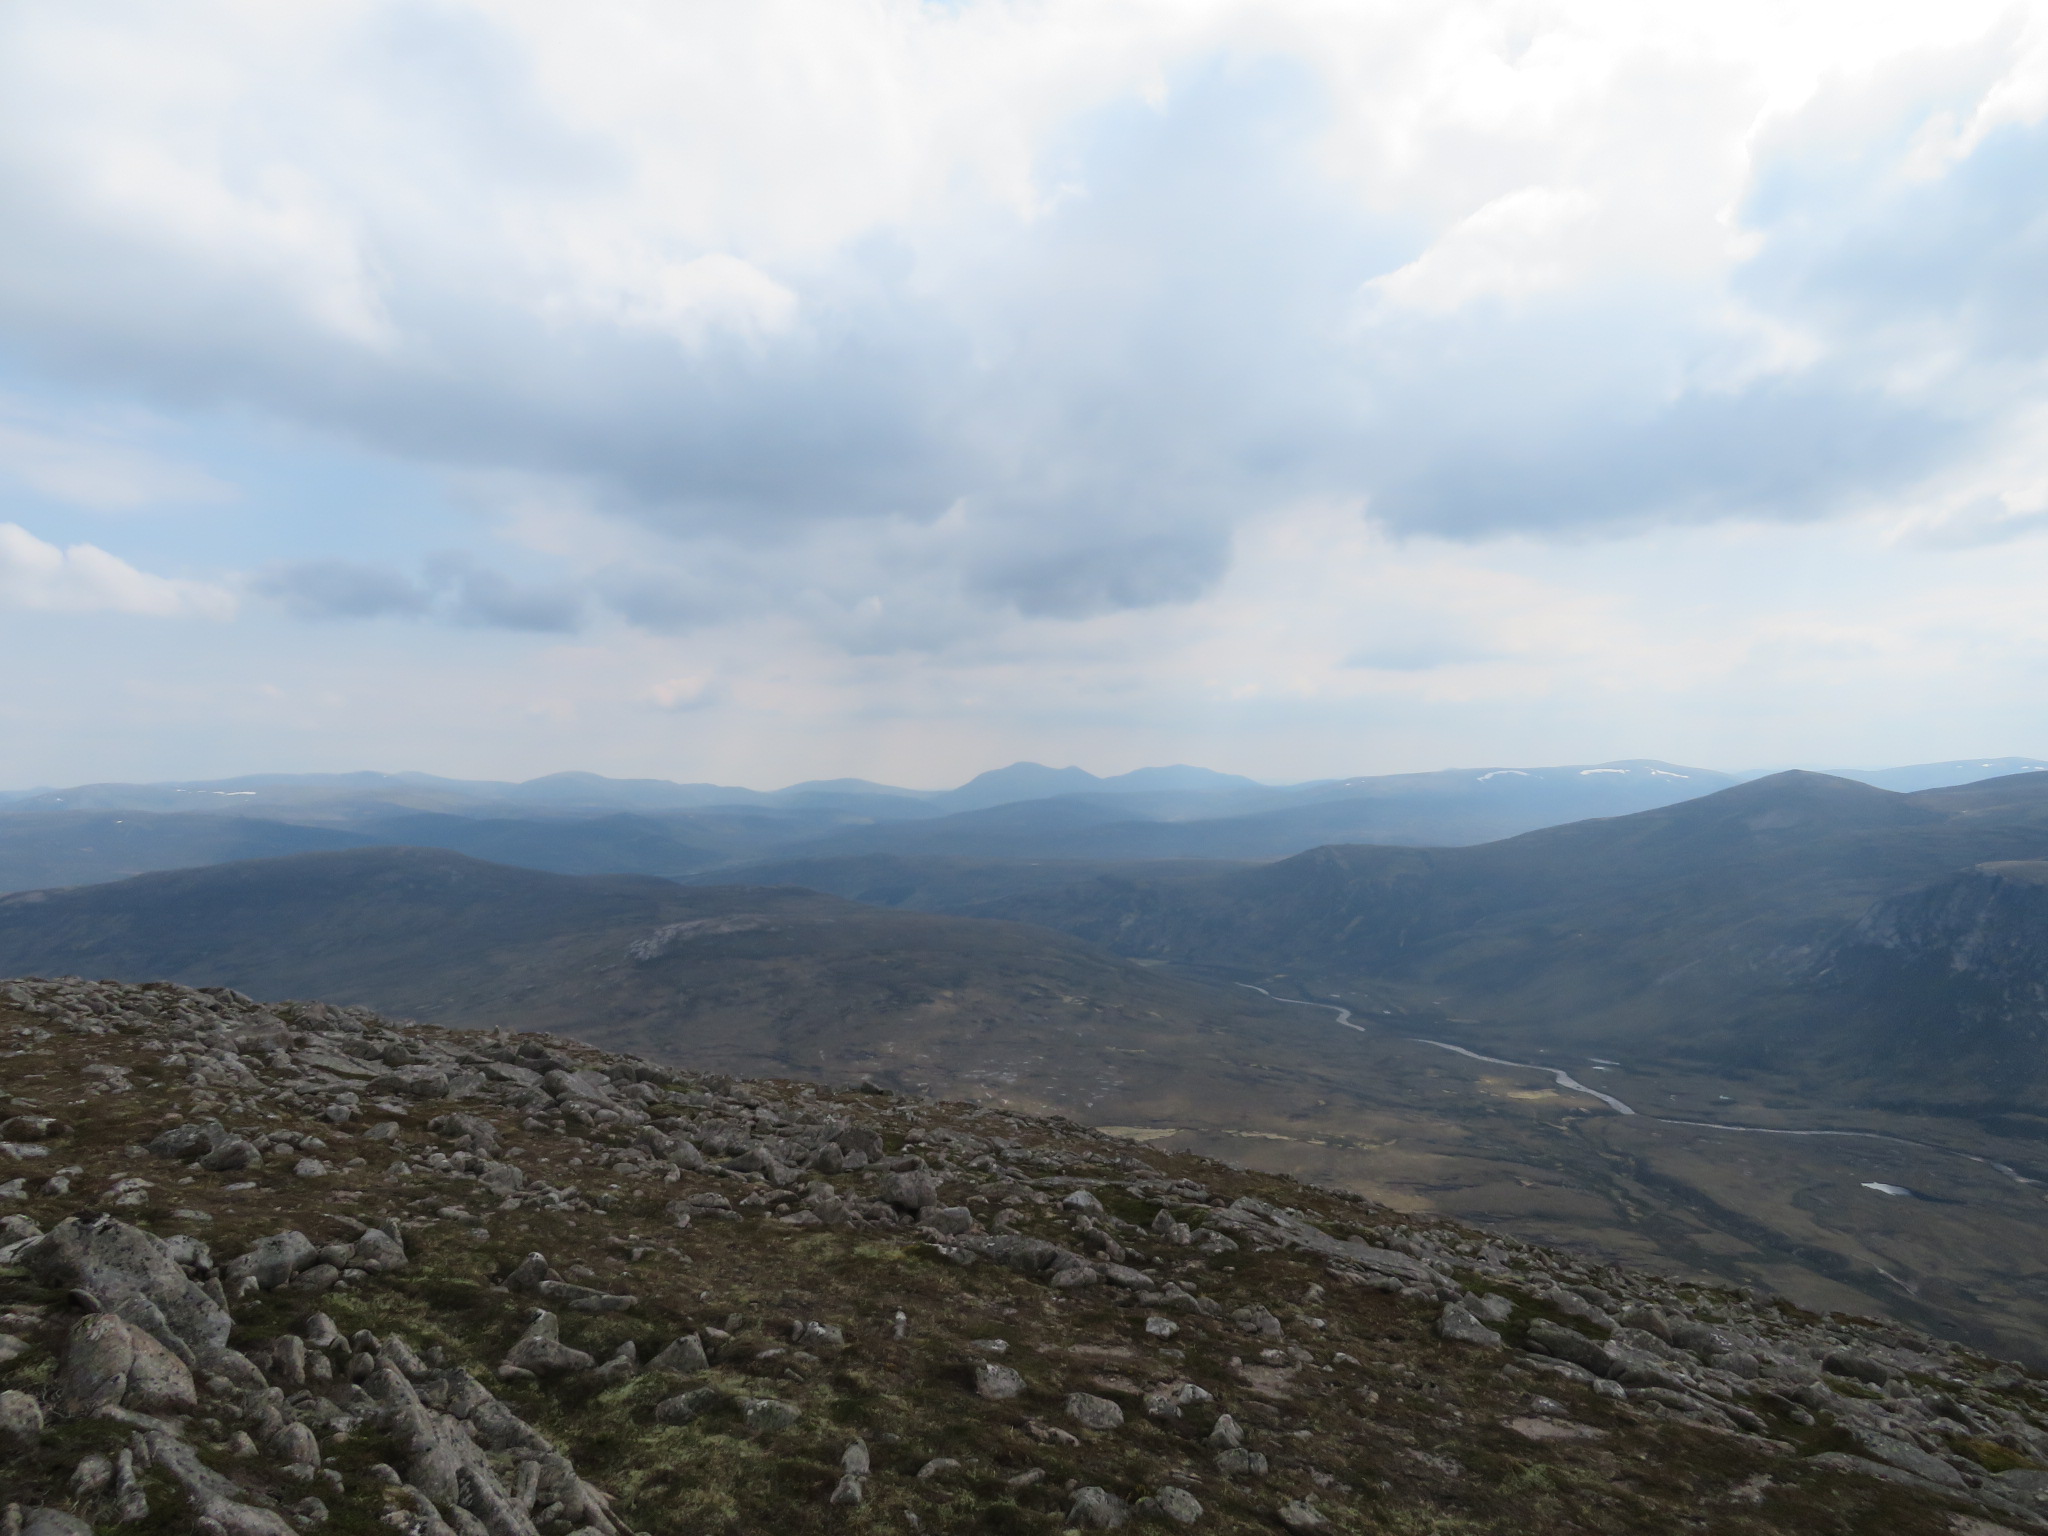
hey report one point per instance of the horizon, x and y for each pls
(1740, 774)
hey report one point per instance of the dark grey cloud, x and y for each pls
(343, 589)
(454, 588)
(476, 595)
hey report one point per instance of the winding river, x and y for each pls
(1571, 1084)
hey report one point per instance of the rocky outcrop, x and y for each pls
(1956, 973)
(1091, 1334)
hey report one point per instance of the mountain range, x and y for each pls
(576, 823)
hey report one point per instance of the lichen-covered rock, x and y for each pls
(274, 1260)
(1092, 1412)
(768, 1413)
(110, 1363)
(540, 1349)
(1171, 1503)
(1455, 1325)
(1097, 1509)
(910, 1191)
(684, 1357)
(131, 1273)
(999, 1383)
(21, 1420)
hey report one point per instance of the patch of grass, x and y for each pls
(1992, 1456)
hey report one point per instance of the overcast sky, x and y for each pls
(767, 391)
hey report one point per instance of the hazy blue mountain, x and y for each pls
(1035, 781)
(939, 884)
(58, 848)
(621, 844)
(1942, 775)
(1433, 809)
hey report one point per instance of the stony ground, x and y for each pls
(265, 1270)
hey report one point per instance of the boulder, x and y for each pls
(1458, 1326)
(274, 1260)
(1171, 1503)
(541, 1348)
(119, 1265)
(912, 1191)
(684, 1357)
(1097, 1509)
(1092, 1412)
(951, 1220)
(184, 1142)
(378, 1252)
(528, 1273)
(766, 1413)
(53, 1522)
(21, 1420)
(232, 1155)
(999, 1382)
(1856, 1367)
(110, 1363)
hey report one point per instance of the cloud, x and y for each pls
(454, 587)
(482, 597)
(86, 579)
(343, 589)
(1014, 314)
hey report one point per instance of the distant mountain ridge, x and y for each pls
(583, 823)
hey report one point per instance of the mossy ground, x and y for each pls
(1385, 1428)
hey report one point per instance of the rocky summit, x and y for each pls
(267, 1269)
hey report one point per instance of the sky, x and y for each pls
(806, 388)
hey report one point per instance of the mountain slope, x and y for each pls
(747, 979)
(85, 848)
(937, 884)
(375, 1277)
(598, 845)
(1954, 976)
(1688, 928)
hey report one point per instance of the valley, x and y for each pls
(1774, 957)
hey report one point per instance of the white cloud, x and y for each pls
(86, 579)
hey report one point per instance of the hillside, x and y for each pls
(932, 883)
(1953, 976)
(792, 983)
(752, 980)
(1689, 930)
(86, 848)
(344, 1274)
